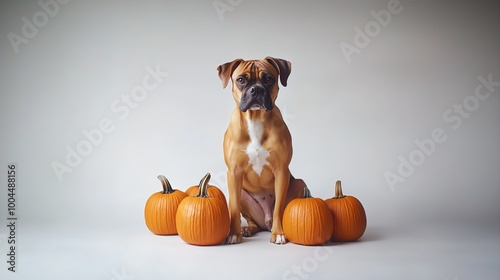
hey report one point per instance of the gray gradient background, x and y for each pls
(349, 121)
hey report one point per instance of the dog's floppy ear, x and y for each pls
(284, 68)
(226, 70)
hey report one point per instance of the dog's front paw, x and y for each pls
(233, 239)
(278, 239)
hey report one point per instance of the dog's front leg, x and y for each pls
(234, 182)
(281, 182)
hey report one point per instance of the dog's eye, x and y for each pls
(241, 80)
(268, 80)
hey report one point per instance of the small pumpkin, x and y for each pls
(307, 220)
(201, 219)
(349, 216)
(161, 207)
(212, 191)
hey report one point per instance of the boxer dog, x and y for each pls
(258, 149)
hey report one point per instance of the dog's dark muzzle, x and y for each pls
(256, 98)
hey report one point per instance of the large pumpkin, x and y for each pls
(201, 219)
(161, 208)
(307, 220)
(349, 216)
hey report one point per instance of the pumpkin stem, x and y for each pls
(203, 186)
(307, 193)
(167, 188)
(338, 190)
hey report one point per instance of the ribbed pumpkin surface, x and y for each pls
(161, 208)
(349, 217)
(202, 220)
(307, 221)
(160, 212)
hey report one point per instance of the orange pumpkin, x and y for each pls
(161, 207)
(349, 216)
(307, 220)
(201, 219)
(212, 191)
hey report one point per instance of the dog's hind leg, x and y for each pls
(253, 213)
(295, 189)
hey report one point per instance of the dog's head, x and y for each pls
(255, 82)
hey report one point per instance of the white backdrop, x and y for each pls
(399, 100)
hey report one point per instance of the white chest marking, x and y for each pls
(257, 155)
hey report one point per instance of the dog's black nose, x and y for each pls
(256, 90)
